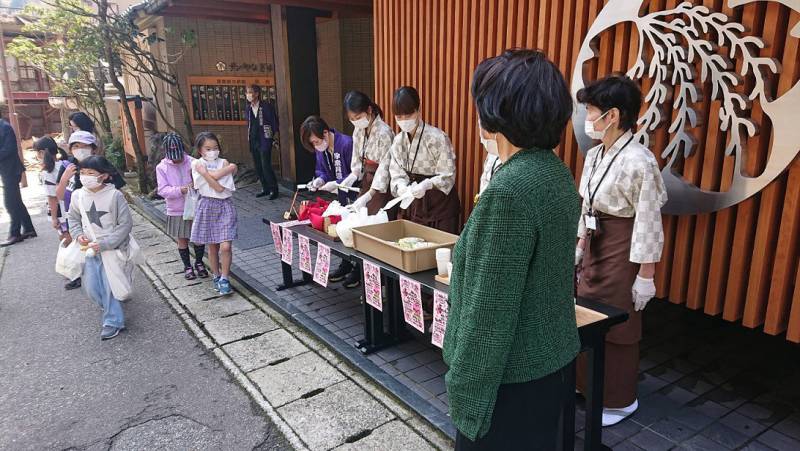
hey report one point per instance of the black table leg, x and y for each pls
(593, 438)
(568, 412)
(288, 278)
(375, 338)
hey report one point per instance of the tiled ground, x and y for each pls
(704, 384)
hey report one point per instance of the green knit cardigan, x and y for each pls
(512, 315)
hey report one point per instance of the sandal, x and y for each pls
(201, 270)
(188, 273)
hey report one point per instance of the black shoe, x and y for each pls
(262, 194)
(31, 234)
(12, 240)
(73, 285)
(353, 279)
(341, 272)
(274, 195)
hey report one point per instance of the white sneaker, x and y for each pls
(614, 416)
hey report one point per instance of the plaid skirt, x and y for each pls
(214, 221)
(177, 227)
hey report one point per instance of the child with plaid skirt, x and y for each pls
(174, 176)
(215, 216)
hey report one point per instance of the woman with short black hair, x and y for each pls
(511, 334)
(422, 166)
(620, 232)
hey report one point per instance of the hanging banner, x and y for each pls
(304, 253)
(276, 237)
(323, 266)
(372, 285)
(411, 294)
(440, 307)
(288, 244)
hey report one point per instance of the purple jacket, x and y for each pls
(171, 177)
(337, 167)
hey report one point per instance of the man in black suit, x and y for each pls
(262, 130)
(11, 169)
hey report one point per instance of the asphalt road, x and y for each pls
(152, 387)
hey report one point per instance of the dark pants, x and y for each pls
(20, 219)
(262, 160)
(526, 416)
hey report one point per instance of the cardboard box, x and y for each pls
(380, 241)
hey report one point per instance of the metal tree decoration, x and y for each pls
(673, 45)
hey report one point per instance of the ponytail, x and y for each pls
(51, 151)
(358, 102)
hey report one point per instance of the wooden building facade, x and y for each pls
(739, 262)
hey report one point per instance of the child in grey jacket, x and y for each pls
(100, 220)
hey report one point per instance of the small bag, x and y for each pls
(69, 260)
(190, 204)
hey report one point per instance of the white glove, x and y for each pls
(314, 184)
(643, 290)
(421, 188)
(350, 179)
(403, 189)
(578, 255)
(330, 187)
(362, 201)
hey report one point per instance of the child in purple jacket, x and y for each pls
(174, 175)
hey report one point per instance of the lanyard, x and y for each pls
(364, 146)
(495, 167)
(602, 177)
(329, 161)
(411, 140)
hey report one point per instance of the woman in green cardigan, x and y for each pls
(511, 334)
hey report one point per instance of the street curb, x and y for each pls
(293, 320)
(231, 367)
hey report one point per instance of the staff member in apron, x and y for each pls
(334, 152)
(372, 140)
(423, 165)
(620, 232)
(490, 165)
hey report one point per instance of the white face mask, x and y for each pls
(210, 155)
(90, 181)
(82, 153)
(322, 147)
(588, 128)
(407, 125)
(249, 97)
(490, 144)
(360, 123)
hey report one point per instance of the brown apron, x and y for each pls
(379, 200)
(606, 274)
(436, 209)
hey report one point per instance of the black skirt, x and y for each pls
(526, 416)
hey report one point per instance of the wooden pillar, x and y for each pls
(280, 52)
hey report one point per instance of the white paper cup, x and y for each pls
(449, 269)
(441, 267)
(443, 253)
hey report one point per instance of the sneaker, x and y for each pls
(216, 280)
(73, 285)
(200, 268)
(341, 272)
(614, 416)
(353, 279)
(109, 332)
(188, 273)
(224, 287)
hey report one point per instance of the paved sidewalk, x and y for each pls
(318, 401)
(704, 383)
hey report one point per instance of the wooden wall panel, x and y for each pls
(741, 262)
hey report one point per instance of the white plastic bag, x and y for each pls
(69, 260)
(344, 229)
(190, 204)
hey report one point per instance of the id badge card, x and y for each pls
(591, 222)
